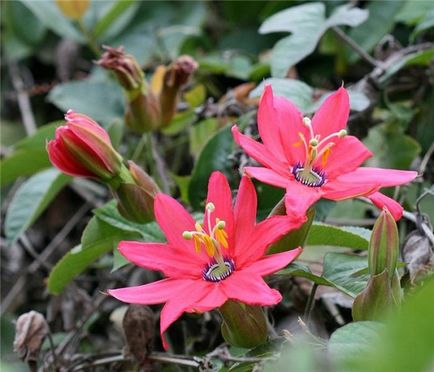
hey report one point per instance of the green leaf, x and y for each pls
(343, 236)
(343, 271)
(391, 148)
(307, 23)
(150, 232)
(303, 271)
(354, 339)
(414, 11)
(116, 11)
(200, 133)
(30, 201)
(50, 16)
(104, 100)
(180, 121)
(30, 155)
(98, 238)
(380, 22)
(214, 156)
(426, 24)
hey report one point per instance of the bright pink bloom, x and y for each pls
(83, 148)
(207, 264)
(315, 159)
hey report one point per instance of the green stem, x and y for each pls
(91, 42)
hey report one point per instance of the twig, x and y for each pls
(34, 266)
(351, 43)
(310, 303)
(31, 250)
(425, 160)
(160, 165)
(23, 99)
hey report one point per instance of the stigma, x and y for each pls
(315, 148)
(214, 240)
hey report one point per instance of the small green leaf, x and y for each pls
(29, 155)
(30, 201)
(343, 271)
(354, 339)
(98, 238)
(200, 133)
(118, 8)
(214, 156)
(150, 232)
(303, 271)
(180, 121)
(343, 236)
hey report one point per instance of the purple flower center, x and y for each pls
(215, 272)
(313, 177)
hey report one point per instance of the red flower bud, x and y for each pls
(83, 148)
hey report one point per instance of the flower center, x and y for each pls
(214, 241)
(310, 177)
(315, 148)
(214, 272)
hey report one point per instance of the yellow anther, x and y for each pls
(210, 206)
(222, 238)
(221, 225)
(325, 156)
(196, 240)
(198, 227)
(209, 245)
(187, 235)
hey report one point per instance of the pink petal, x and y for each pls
(347, 155)
(244, 211)
(380, 201)
(279, 123)
(213, 299)
(333, 114)
(272, 263)
(380, 176)
(250, 289)
(269, 176)
(264, 234)
(343, 188)
(152, 293)
(298, 198)
(219, 193)
(162, 257)
(259, 152)
(86, 122)
(182, 299)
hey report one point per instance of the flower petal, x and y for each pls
(181, 300)
(279, 123)
(272, 263)
(347, 155)
(258, 151)
(269, 176)
(380, 201)
(380, 176)
(298, 198)
(162, 257)
(333, 114)
(244, 212)
(264, 234)
(250, 289)
(213, 299)
(344, 188)
(219, 193)
(152, 293)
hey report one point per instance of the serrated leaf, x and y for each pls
(98, 239)
(30, 201)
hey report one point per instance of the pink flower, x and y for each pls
(207, 264)
(315, 159)
(83, 148)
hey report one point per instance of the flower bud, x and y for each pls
(176, 75)
(83, 148)
(143, 113)
(74, 9)
(243, 325)
(384, 245)
(126, 68)
(136, 200)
